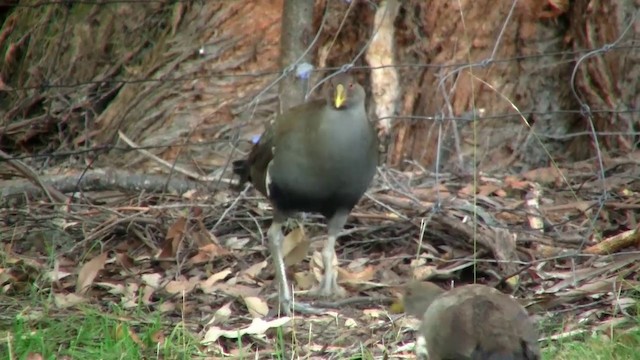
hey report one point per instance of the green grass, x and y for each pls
(88, 333)
(597, 347)
(33, 325)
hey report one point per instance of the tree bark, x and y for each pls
(295, 38)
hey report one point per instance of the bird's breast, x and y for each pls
(333, 163)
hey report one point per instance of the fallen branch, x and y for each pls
(99, 180)
(616, 243)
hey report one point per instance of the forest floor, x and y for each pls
(140, 262)
(120, 275)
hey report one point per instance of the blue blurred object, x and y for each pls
(303, 71)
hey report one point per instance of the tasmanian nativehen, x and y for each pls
(470, 322)
(316, 157)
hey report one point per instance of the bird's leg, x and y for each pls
(276, 237)
(421, 348)
(329, 286)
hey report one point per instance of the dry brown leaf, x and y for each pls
(12, 259)
(425, 272)
(375, 314)
(257, 327)
(63, 301)
(467, 191)
(263, 205)
(391, 215)
(202, 236)
(351, 323)
(576, 277)
(221, 315)
(89, 271)
(6, 278)
(366, 275)
(515, 183)
(316, 265)
(32, 314)
(599, 287)
(251, 273)
(513, 281)
(122, 331)
(295, 246)
(546, 251)
(546, 175)
(487, 189)
(134, 336)
(584, 207)
(625, 303)
(207, 285)
(167, 306)
(388, 276)
(316, 260)
(431, 193)
(174, 238)
(181, 285)
(207, 253)
(236, 243)
(358, 264)
(54, 275)
(191, 194)
(114, 288)
(256, 306)
(130, 296)
(158, 337)
(304, 280)
(152, 280)
(147, 292)
(237, 290)
(123, 259)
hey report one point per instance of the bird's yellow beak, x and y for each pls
(341, 96)
(397, 307)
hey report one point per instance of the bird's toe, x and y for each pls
(330, 291)
(290, 308)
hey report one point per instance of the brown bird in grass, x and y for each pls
(316, 157)
(470, 322)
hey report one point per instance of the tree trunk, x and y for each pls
(296, 35)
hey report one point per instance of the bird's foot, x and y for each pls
(421, 348)
(305, 308)
(329, 290)
(290, 308)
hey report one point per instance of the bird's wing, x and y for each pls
(260, 156)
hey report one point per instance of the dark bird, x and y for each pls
(470, 322)
(317, 157)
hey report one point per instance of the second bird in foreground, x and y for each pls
(316, 157)
(474, 322)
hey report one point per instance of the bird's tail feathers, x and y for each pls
(241, 168)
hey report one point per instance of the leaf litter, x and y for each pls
(220, 284)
